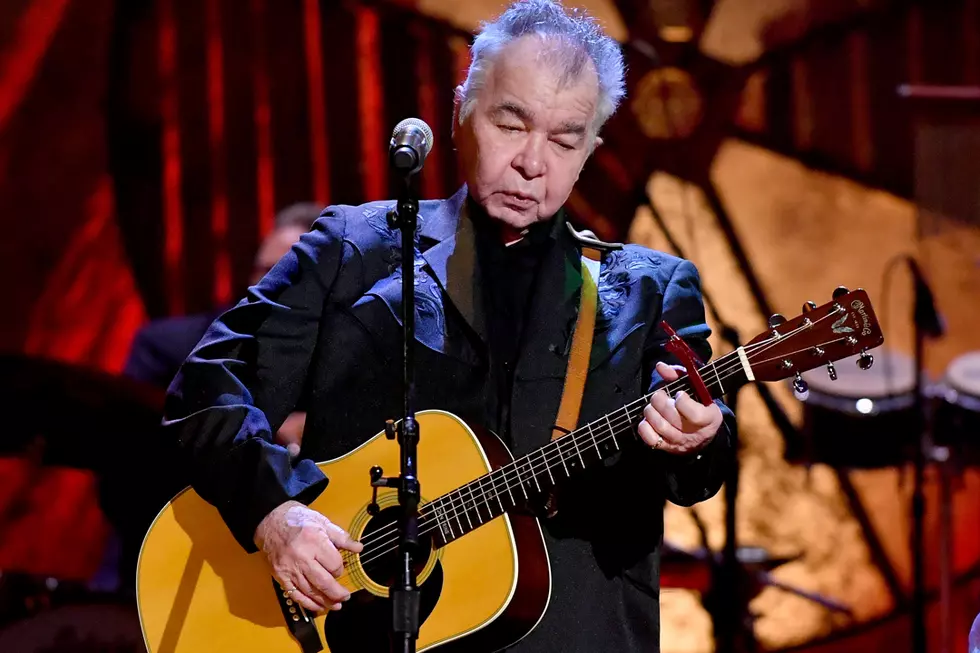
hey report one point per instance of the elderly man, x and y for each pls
(499, 274)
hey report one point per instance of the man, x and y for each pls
(497, 293)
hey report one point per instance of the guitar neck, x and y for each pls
(458, 512)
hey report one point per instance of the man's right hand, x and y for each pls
(302, 547)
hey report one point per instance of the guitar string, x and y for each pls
(526, 466)
(429, 529)
(533, 469)
(518, 465)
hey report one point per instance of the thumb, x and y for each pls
(669, 372)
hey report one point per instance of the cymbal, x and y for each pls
(692, 568)
(75, 414)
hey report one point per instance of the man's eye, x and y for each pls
(564, 146)
(510, 128)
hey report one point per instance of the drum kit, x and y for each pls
(867, 420)
(857, 418)
(876, 423)
(73, 450)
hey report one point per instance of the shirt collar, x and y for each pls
(536, 234)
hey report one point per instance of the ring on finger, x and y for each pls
(660, 441)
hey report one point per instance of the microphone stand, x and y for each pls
(404, 591)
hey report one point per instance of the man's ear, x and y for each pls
(457, 103)
(596, 142)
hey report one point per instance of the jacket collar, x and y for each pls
(448, 246)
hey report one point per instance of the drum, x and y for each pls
(94, 625)
(957, 421)
(864, 419)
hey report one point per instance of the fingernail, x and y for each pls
(347, 598)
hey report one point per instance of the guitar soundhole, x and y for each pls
(380, 555)
(363, 624)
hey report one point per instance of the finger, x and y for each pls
(303, 583)
(669, 372)
(655, 429)
(664, 405)
(336, 606)
(302, 588)
(302, 599)
(329, 558)
(342, 539)
(661, 425)
(325, 584)
(649, 436)
(654, 440)
(696, 413)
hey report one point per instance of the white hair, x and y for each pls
(578, 39)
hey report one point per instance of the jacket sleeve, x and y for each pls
(244, 378)
(695, 477)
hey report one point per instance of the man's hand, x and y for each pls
(678, 425)
(301, 545)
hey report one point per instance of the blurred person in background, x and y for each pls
(156, 354)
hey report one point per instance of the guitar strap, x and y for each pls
(578, 359)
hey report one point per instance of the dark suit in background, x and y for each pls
(323, 328)
(161, 346)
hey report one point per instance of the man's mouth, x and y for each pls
(519, 200)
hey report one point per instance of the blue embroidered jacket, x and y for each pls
(323, 329)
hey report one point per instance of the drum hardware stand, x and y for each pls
(941, 456)
(732, 628)
(926, 323)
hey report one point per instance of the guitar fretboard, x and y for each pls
(468, 507)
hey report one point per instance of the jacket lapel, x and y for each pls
(452, 260)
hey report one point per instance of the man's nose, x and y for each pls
(530, 160)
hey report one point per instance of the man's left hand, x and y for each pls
(678, 425)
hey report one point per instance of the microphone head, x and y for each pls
(406, 126)
(411, 142)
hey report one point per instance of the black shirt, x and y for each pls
(507, 272)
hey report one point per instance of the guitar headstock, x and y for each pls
(820, 335)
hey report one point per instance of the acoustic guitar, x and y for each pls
(486, 581)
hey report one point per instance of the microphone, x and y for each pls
(411, 142)
(927, 316)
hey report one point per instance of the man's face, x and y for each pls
(273, 248)
(527, 137)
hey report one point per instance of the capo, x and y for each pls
(676, 346)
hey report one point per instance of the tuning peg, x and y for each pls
(809, 306)
(865, 360)
(831, 370)
(840, 291)
(800, 388)
(775, 320)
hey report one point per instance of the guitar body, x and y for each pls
(197, 590)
